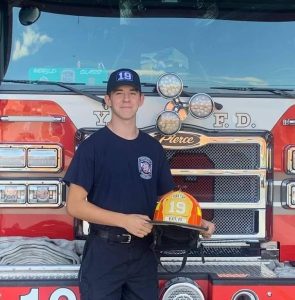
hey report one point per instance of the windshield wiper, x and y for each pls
(67, 86)
(276, 91)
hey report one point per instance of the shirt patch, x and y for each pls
(145, 167)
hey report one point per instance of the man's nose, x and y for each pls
(126, 97)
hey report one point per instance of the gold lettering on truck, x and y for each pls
(178, 140)
(173, 139)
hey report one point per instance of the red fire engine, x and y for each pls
(219, 84)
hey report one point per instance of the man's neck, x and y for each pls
(127, 130)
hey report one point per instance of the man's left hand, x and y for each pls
(211, 228)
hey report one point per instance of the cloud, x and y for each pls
(246, 80)
(31, 42)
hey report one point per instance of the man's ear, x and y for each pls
(141, 100)
(107, 100)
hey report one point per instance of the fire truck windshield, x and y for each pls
(204, 52)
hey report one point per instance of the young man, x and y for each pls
(116, 177)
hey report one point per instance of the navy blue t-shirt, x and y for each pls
(121, 175)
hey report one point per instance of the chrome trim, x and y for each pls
(290, 165)
(26, 149)
(202, 140)
(211, 205)
(183, 287)
(49, 119)
(46, 153)
(85, 228)
(27, 183)
(288, 122)
(269, 155)
(251, 295)
(129, 237)
(249, 260)
(224, 267)
(260, 234)
(289, 186)
(33, 272)
(217, 172)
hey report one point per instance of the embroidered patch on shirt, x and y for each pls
(145, 167)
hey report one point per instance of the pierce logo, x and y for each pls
(181, 139)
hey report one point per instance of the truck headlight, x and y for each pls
(31, 193)
(12, 194)
(47, 193)
(12, 157)
(201, 105)
(169, 85)
(46, 158)
(30, 158)
(291, 194)
(168, 122)
(290, 159)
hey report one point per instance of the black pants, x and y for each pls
(115, 271)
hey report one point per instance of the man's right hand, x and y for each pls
(138, 225)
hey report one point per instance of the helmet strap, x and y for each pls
(158, 258)
(157, 246)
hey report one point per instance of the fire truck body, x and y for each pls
(219, 96)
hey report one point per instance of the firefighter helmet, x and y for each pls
(179, 209)
(177, 224)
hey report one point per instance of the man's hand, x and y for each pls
(138, 225)
(210, 231)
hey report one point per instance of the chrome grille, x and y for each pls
(233, 221)
(217, 156)
(217, 251)
(225, 188)
(186, 294)
(237, 189)
(226, 173)
(224, 251)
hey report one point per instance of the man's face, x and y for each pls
(124, 102)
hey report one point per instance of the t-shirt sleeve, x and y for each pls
(165, 181)
(81, 168)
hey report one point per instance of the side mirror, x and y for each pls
(29, 15)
